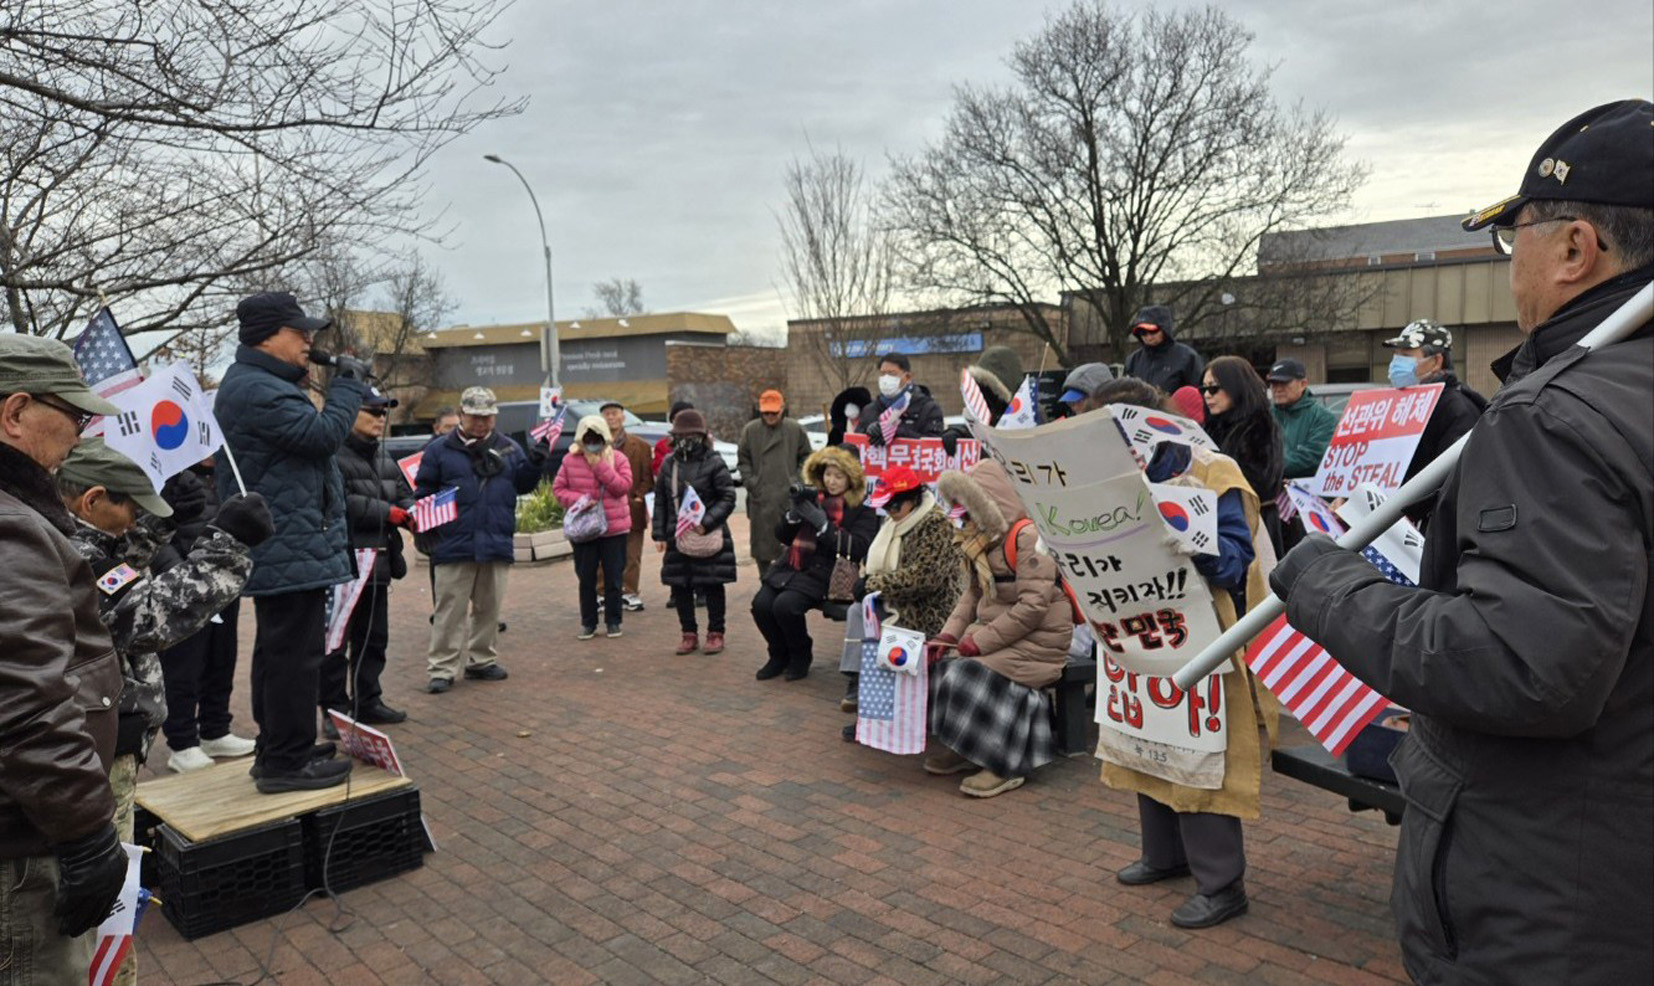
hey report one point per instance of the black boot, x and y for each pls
(799, 667)
(772, 668)
(851, 692)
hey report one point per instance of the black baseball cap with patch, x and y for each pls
(1287, 369)
(1605, 155)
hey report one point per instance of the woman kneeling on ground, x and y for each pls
(1012, 628)
(913, 565)
(1193, 829)
(827, 521)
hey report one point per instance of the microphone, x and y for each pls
(322, 357)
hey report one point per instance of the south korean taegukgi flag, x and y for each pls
(165, 424)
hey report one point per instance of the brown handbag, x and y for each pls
(841, 585)
(689, 543)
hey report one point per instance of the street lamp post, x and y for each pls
(551, 359)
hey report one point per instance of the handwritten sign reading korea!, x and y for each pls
(1148, 607)
(1375, 440)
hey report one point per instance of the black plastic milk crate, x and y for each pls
(209, 886)
(377, 837)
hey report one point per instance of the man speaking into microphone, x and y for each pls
(285, 449)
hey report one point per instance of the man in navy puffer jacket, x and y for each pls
(285, 449)
(473, 554)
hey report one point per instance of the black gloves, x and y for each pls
(187, 496)
(1292, 567)
(950, 442)
(91, 871)
(245, 518)
(350, 368)
(539, 453)
(860, 590)
(875, 434)
(812, 515)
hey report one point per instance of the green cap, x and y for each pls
(93, 463)
(37, 365)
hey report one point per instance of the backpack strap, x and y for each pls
(1010, 546)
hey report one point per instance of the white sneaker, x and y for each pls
(633, 602)
(228, 745)
(188, 759)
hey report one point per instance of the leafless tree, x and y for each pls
(836, 262)
(1135, 156)
(173, 155)
(617, 298)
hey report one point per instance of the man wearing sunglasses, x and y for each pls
(285, 448)
(61, 862)
(1527, 651)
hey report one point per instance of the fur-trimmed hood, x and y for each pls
(593, 422)
(987, 495)
(835, 455)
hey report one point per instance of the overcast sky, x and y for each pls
(657, 133)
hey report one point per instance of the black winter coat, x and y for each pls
(860, 525)
(705, 471)
(1527, 657)
(1259, 447)
(1456, 412)
(922, 419)
(373, 485)
(1168, 366)
(285, 448)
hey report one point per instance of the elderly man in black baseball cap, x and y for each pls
(1306, 424)
(1527, 651)
(59, 850)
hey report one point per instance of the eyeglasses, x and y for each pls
(75, 414)
(1211, 389)
(1504, 237)
(377, 412)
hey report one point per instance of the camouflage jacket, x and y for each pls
(146, 613)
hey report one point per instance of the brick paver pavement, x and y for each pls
(616, 814)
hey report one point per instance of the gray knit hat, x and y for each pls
(999, 369)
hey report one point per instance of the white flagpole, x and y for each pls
(1630, 317)
(234, 469)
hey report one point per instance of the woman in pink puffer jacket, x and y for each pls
(594, 476)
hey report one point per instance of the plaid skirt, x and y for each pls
(991, 720)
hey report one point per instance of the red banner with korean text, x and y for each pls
(925, 456)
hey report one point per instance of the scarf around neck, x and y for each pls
(886, 551)
(804, 542)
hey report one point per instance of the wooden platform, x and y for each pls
(219, 800)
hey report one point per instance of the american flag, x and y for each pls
(551, 428)
(892, 416)
(436, 509)
(1333, 704)
(115, 933)
(105, 360)
(971, 391)
(891, 707)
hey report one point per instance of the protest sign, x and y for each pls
(1154, 727)
(1399, 551)
(410, 466)
(1081, 486)
(1375, 440)
(365, 743)
(925, 456)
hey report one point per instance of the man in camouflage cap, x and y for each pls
(59, 850)
(1424, 355)
(120, 522)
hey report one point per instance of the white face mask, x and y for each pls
(852, 412)
(889, 385)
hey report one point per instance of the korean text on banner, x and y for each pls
(165, 426)
(925, 456)
(1154, 727)
(1080, 484)
(1375, 440)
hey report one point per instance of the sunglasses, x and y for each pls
(1210, 390)
(75, 414)
(377, 412)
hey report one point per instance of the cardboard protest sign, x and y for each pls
(365, 743)
(1081, 486)
(925, 456)
(1154, 727)
(1375, 440)
(410, 466)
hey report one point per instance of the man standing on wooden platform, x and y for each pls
(61, 863)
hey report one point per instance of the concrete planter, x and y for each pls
(541, 546)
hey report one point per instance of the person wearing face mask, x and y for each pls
(693, 464)
(472, 554)
(602, 477)
(844, 414)
(913, 564)
(1424, 354)
(825, 520)
(920, 418)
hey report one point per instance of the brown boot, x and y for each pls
(945, 761)
(714, 642)
(986, 784)
(688, 644)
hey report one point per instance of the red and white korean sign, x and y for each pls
(925, 456)
(1375, 440)
(1154, 727)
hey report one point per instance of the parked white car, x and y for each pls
(816, 426)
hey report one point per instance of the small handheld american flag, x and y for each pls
(971, 391)
(436, 509)
(550, 429)
(892, 417)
